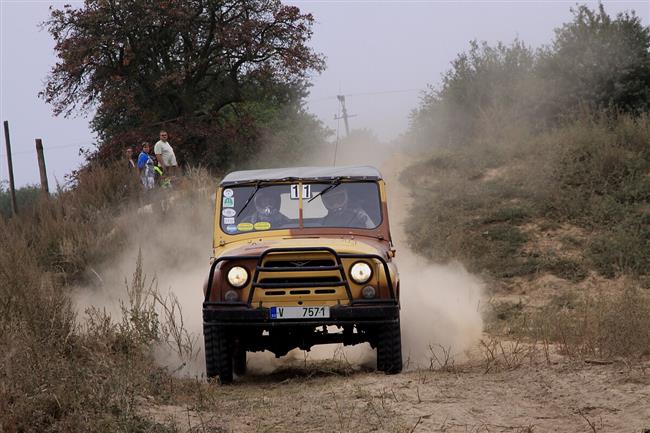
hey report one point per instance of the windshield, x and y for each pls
(277, 206)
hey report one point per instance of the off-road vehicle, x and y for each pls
(302, 256)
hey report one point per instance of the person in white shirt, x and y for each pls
(165, 155)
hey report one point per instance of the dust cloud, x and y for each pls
(440, 314)
(175, 246)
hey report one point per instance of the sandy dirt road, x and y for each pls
(325, 396)
(529, 389)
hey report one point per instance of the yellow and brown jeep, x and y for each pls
(302, 256)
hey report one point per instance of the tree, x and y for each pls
(484, 80)
(189, 66)
(599, 61)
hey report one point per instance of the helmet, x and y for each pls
(267, 203)
(335, 199)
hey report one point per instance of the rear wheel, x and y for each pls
(218, 353)
(389, 348)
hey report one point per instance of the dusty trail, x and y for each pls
(322, 397)
(440, 304)
(331, 390)
(338, 391)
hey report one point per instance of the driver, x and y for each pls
(267, 209)
(340, 213)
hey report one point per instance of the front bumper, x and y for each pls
(342, 282)
(240, 315)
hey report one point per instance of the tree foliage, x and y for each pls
(594, 61)
(482, 80)
(26, 199)
(601, 61)
(190, 66)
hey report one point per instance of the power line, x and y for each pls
(47, 149)
(380, 92)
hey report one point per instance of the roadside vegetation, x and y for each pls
(225, 79)
(228, 99)
(529, 171)
(26, 198)
(537, 163)
(63, 369)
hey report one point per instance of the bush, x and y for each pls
(590, 173)
(597, 325)
(26, 199)
(625, 249)
(59, 373)
(557, 136)
(599, 60)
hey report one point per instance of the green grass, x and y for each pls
(591, 173)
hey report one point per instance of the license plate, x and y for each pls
(300, 312)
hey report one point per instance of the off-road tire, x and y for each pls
(389, 348)
(239, 361)
(218, 354)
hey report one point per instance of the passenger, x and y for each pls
(267, 209)
(146, 167)
(340, 213)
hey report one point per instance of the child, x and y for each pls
(146, 167)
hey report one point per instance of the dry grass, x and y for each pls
(600, 326)
(477, 202)
(61, 372)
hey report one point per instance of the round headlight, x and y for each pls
(360, 272)
(237, 276)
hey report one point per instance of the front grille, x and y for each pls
(297, 280)
(275, 292)
(285, 263)
(300, 275)
(299, 263)
(324, 291)
(299, 292)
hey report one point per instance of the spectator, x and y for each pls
(146, 167)
(165, 155)
(129, 157)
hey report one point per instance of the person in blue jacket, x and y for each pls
(146, 167)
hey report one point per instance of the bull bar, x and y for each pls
(243, 313)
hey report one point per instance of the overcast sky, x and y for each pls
(380, 53)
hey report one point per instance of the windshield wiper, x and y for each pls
(250, 197)
(336, 182)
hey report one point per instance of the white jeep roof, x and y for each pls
(361, 172)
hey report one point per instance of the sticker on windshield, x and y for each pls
(228, 212)
(228, 202)
(262, 225)
(231, 229)
(244, 227)
(306, 191)
(227, 193)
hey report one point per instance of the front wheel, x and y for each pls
(389, 348)
(218, 353)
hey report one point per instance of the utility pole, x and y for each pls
(41, 167)
(12, 187)
(345, 116)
